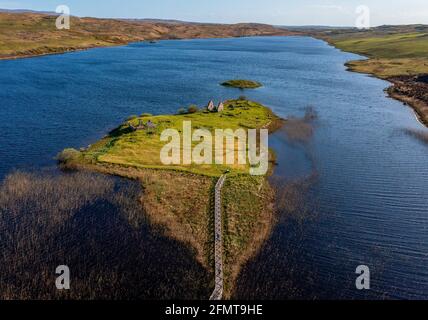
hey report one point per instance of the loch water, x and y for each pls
(370, 193)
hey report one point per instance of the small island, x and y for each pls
(242, 84)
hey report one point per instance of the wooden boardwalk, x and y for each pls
(218, 242)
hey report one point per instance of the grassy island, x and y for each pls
(141, 148)
(180, 198)
(242, 84)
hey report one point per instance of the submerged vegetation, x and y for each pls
(278, 270)
(242, 84)
(300, 130)
(97, 226)
(418, 134)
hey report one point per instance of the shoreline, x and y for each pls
(74, 49)
(168, 206)
(38, 55)
(419, 107)
(38, 35)
(412, 103)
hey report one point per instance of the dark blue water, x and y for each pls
(372, 187)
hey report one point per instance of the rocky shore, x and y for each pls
(413, 91)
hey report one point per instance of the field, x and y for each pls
(142, 149)
(32, 34)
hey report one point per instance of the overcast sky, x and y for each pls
(280, 12)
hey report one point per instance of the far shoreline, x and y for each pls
(419, 107)
(117, 45)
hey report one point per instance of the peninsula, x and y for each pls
(180, 197)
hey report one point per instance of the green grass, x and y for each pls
(396, 46)
(390, 54)
(386, 68)
(141, 149)
(242, 84)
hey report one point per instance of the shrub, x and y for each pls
(242, 98)
(144, 115)
(192, 109)
(67, 155)
(181, 111)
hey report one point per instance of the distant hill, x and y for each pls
(26, 11)
(26, 33)
(168, 21)
(312, 27)
(375, 31)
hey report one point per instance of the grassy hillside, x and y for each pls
(29, 34)
(393, 51)
(411, 45)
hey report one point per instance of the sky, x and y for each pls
(278, 12)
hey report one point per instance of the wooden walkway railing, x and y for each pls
(218, 242)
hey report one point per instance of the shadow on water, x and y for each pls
(285, 268)
(280, 271)
(421, 135)
(95, 225)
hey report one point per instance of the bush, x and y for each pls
(242, 98)
(181, 111)
(132, 117)
(144, 115)
(242, 84)
(192, 109)
(67, 155)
